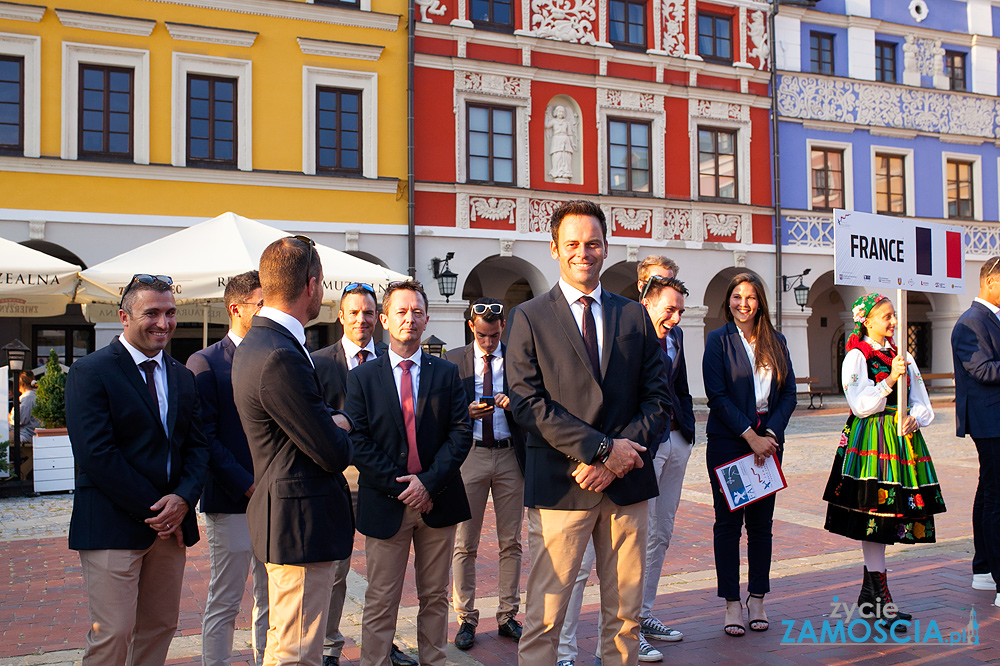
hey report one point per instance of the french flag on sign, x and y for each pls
(952, 250)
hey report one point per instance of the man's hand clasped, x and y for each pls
(416, 494)
(623, 458)
(171, 510)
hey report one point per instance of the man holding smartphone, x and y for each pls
(495, 463)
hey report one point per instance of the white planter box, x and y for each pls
(53, 463)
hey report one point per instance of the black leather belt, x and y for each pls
(504, 443)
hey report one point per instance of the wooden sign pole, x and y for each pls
(901, 342)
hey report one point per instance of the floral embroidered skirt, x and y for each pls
(882, 488)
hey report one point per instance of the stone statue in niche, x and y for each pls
(430, 7)
(560, 131)
(910, 54)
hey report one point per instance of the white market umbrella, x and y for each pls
(32, 283)
(201, 258)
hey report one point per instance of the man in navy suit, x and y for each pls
(663, 298)
(300, 513)
(411, 435)
(229, 485)
(134, 422)
(587, 386)
(494, 468)
(357, 315)
(975, 343)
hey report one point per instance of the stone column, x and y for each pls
(447, 320)
(942, 324)
(794, 327)
(693, 325)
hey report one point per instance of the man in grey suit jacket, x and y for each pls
(587, 385)
(975, 343)
(357, 316)
(300, 514)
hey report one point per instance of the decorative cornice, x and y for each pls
(124, 25)
(17, 12)
(195, 175)
(299, 11)
(208, 35)
(331, 49)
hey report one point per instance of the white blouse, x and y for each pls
(866, 397)
(761, 377)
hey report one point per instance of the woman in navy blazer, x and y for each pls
(751, 395)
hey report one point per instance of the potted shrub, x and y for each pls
(53, 456)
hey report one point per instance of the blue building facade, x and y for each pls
(885, 106)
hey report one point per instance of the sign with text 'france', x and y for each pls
(880, 252)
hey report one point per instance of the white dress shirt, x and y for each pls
(572, 295)
(351, 352)
(761, 376)
(994, 309)
(291, 324)
(159, 374)
(235, 338)
(397, 374)
(500, 429)
(866, 397)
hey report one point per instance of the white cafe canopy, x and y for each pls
(32, 283)
(201, 258)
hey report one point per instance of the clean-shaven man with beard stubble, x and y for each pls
(586, 384)
(300, 513)
(358, 313)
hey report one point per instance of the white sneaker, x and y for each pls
(651, 628)
(983, 581)
(647, 652)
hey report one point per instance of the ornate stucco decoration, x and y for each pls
(675, 225)
(875, 105)
(627, 99)
(918, 10)
(631, 219)
(492, 209)
(564, 20)
(720, 224)
(760, 47)
(723, 111)
(493, 84)
(430, 7)
(539, 215)
(673, 27)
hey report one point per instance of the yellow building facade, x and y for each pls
(124, 120)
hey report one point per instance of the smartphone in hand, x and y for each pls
(488, 400)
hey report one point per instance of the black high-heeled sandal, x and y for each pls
(734, 630)
(759, 624)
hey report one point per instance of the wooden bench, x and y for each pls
(931, 376)
(814, 395)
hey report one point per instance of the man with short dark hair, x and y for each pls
(411, 436)
(300, 512)
(494, 467)
(134, 422)
(358, 310)
(229, 485)
(586, 383)
(663, 298)
(975, 343)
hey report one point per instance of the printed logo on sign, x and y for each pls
(868, 278)
(849, 623)
(884, 280)
(924, 284)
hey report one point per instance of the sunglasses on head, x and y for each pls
(143, 278)
(358, 285)
(483, 308)
(645, 287)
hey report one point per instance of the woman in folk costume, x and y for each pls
(883, 488)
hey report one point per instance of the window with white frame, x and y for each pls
(963, 186)
(20, 95)
(340, 122)
(212, 115)
(892, 189)
(831, 174)
(94, 99)
(630, 129)
(510, 97)
(717, 162)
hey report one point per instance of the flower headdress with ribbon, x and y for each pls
(859, 312)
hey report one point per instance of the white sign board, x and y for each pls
(881, 252)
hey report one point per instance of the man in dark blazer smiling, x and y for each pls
(133, 419)
(300, 513)
(411, 436)
(975, 343)
(587, 385)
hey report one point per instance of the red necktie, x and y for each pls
(409, 419)
(590, 335)
(362, 356)
(489, 440)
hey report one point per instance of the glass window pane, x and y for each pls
(479, 143)
(617, 132)
(121, 102)
(503, 121)
(636, 13)
(640, 180)
(503, 171)
(327, 157)
(199, 128)
(617, 11)
(118, 143)
(503, 146)
(618, 179)
(501, 13)
(478, 118)
(327, 119)
(727, 188)
(327, 138)
(640, 134)
(93, 79)
(706, 186)
(224, 90)
(119, 122)
(706, 144)
(224, 110)
(726, 143)
(479, 168)
(199, 148)
(349, 159)
(349, 102)
(93, 120)
(619, 156)
(349, 121)
(640, 158)
(198, 88)
(349, 140)
(223, 150)
(120, 81)
(224, 131)
(93, 141)
(480, 10)
(199, 108)
(93, 99)
(10, 69)
(727, 165)
(9, 135)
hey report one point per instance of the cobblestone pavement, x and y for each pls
(43, 611)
